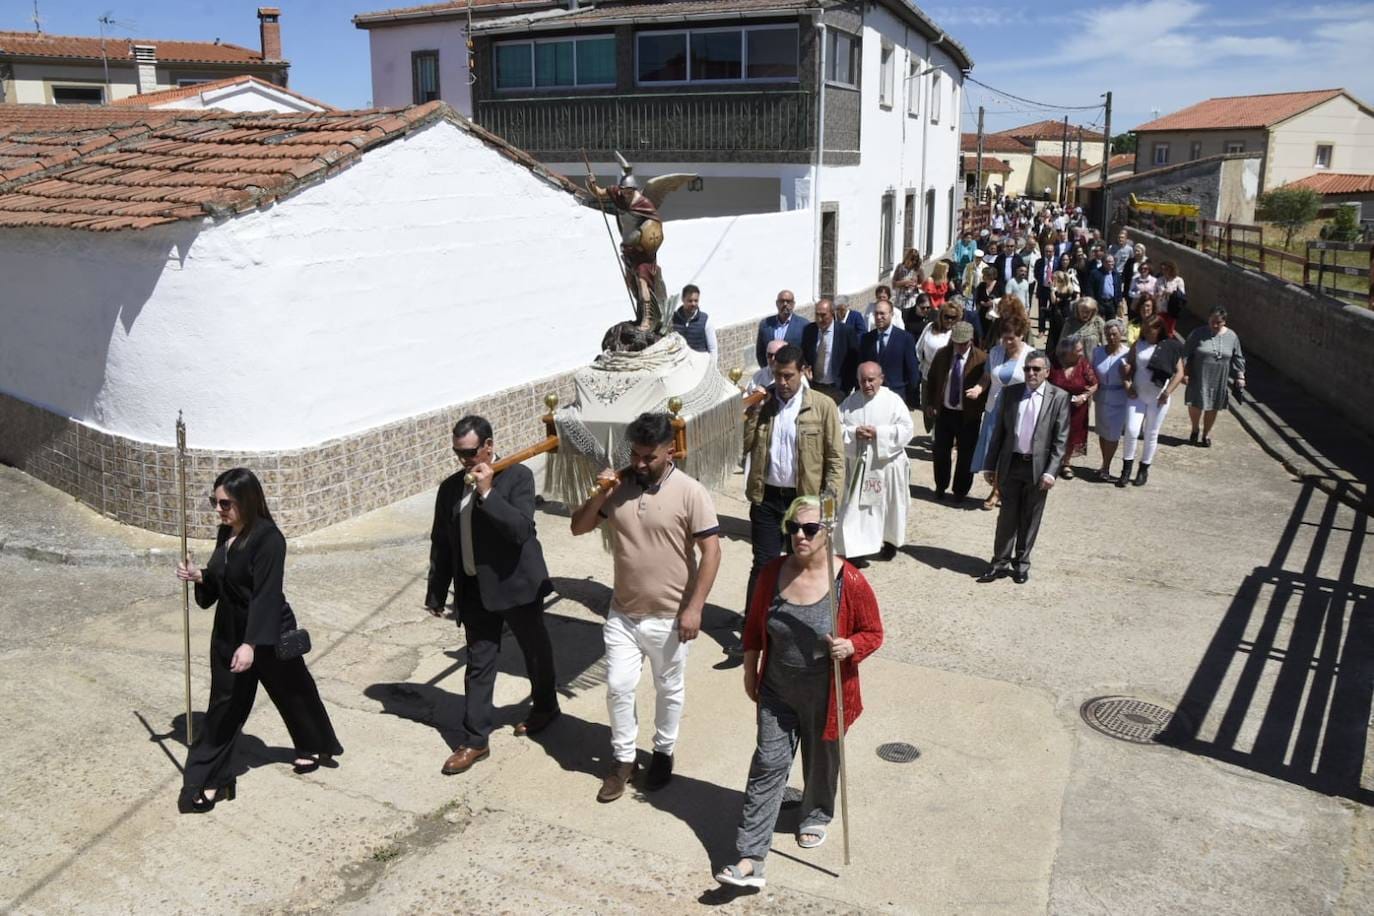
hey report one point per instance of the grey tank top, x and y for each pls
(796, 633)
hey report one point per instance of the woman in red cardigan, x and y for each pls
(788, 653)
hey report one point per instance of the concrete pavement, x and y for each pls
(1225, 587)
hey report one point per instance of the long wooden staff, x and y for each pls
(615, 246)
(185, 586)
(828, 519)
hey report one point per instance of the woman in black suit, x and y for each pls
(244, 582)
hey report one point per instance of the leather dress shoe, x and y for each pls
(613, 786)
(1021, 577)
(537, 722)
(889, 552)
(660, 771)
(462, 759)
(993, 574)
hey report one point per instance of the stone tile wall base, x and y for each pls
(310, 488)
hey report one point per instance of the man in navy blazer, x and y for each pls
(783, 326)
(1107, 285)
(894, 350)
(836, 377)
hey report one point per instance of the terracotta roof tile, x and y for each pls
(36, 44)
(1071, 163)
(130, 169)
(1052, 130)
(991, 164)
(1336, 183)
(452, 8)
(1239, 111)
(994, 143)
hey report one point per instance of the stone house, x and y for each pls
(43, 69)
(1297, 134)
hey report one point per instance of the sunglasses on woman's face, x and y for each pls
(223, 505)
(808, 529)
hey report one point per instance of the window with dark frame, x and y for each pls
(1195, 150)
(842, 59)
(749, 54)
(78, 95)
(555, 63)
(1160, 154)
(1235, 146)
(1323, 159)
(913, 88)
(424, 76)
(887, 223)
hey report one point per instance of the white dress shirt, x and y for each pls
(782, 446)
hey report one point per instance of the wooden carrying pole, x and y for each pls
(828, 519)
(185, 586)
(549, 444)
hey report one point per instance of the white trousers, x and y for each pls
(628, 641)
(1144, 415)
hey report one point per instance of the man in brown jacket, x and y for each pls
(795, 446)
(956, 390)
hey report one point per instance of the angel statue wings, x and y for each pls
(641, 234)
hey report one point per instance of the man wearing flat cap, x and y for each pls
(956, 391)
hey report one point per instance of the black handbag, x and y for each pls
(294, 641)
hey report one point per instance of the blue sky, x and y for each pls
(1156, 54)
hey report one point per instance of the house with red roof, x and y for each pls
(1297, 134)
(1032, 155)
(42, 69)
(233, 93)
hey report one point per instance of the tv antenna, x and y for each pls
(37, 20)
(107, 22)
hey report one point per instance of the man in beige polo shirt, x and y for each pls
(661, 519)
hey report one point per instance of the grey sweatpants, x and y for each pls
(792, 707)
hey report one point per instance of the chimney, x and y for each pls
(145, 58)
(270, 30)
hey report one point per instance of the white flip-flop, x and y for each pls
(815, 830)
(732, 876)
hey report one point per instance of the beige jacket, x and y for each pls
(820, 445)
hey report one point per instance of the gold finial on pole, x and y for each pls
(186, 558)
(551, 401)
(674, 405)
(735, 375)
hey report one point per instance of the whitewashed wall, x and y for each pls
(432, 272)
(391, 75)
(243, 97)
(899, 151)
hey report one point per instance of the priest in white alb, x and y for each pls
(877, 427)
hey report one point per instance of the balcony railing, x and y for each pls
(753, 126)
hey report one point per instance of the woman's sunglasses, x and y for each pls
(223, 505)
(808, 529)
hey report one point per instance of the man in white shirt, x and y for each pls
(1020, 286)
(1026, 449)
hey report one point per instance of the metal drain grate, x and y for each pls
(898, 752)
(1127, 718)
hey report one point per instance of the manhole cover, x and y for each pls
(1127, 719)
(898, 752)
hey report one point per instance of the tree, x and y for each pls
(1344, 227)
(1123, 143)
(1290, 209)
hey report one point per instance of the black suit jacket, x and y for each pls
(844, 353)
(506, 552)
(898, 360)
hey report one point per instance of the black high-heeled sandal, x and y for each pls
(195, 801)
(316, 761)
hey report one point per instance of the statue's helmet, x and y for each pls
(627, 178)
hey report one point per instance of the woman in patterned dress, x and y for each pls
(1214, 359)
(1073, 373)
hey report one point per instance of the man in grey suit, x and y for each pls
(1027, 446)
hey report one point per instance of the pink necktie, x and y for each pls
(1027, 430)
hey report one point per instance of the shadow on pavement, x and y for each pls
(711, 811)
(940, 558)
(1314, 724)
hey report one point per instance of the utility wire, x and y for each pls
(1044, 105)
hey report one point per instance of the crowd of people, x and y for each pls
(1008, 353)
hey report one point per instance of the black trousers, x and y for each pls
(483, 631)
(765, 531)
(953, 429)
(1018, 522)
(291, 689)
(1042, 296)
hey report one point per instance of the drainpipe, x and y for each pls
(816, 171)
